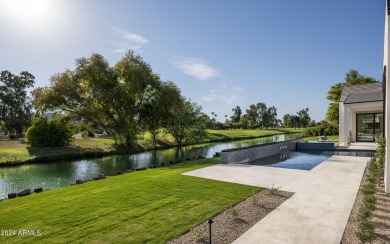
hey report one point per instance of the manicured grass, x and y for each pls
(150, 206)
(241, 133)
(14, 152)
(102, 143)
(315, 138)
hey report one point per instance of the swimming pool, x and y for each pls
(303, 160)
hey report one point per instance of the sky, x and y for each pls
(221, 53)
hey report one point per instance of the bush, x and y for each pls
(52, 133)
(12, 136)
(321, 129)
(84, 134)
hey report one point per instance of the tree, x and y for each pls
(154, 111)
(296, 121)
(259, 116)
(186, 122)
(235, 118)
(264, 119)
(109, 96)
(351, 78)
(287, 121)
(304, 117)
(252, 117)
(244, 123)
(15, 105)
(273, 120)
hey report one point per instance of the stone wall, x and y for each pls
(248, 154)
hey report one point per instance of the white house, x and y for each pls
(361, 113)
(385, 81)
(365, 109)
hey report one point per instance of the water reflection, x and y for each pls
(60, 174)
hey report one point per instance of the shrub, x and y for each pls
(84, 134)
(320, 129)
(49, 133)
(12, 136)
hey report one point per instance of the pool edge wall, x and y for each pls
(320, 146)
(248, 154)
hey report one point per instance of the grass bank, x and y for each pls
(315, 138)
(150, 206)
(13, 152)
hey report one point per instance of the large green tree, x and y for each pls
(304, 117)
(186, 122)
(273, 120)
(15, 105)
(252, 117)
(351, 78)
(112, 97)
(155, 110)
(260, 116)
(235, 118)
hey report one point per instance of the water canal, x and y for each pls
(64, 173)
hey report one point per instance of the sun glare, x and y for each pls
(28, 13)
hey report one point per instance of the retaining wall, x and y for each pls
(248, 154)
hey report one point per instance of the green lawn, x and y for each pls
(241, 133)
(315, 138)
(15, 152)
(150, 206)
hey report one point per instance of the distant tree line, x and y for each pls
(259, 116)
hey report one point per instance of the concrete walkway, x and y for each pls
(318, 211)
(359, 146)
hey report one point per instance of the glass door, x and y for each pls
(365, 127)
(378, 125)
(369, 127)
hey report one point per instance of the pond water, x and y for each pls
(64, 173)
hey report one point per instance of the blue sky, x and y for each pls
(220, 53)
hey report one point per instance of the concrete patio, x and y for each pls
(318, 211)
(356, 146)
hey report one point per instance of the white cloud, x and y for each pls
(136, 38)
(196, 68)
(228, 99)
(127, 40)
(225, 94)
(238, 89)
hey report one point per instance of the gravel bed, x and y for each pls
(381, 216)
(233, 222)
(380, 219)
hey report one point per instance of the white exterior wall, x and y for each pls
(347, 118)
(386, 55)
(342, 126)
